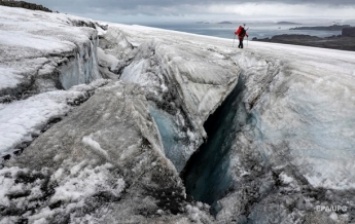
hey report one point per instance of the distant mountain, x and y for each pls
(225, 22)
(346, 41)
(287, 23)
(202, 22)
(326, 28)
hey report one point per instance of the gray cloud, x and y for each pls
(136, 5)
(117, 9)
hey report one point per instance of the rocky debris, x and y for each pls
(25, 5)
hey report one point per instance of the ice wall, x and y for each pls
(286, 149)
(83, 67)
(103, 163)
(182, 90)
(207, 175)
(292, 156)
(51, 55)
(42, 55)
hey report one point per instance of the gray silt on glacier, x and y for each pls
(38, 68)
(41, 71)
(73, 177)
(94, 174)
(110, 137)
(173, 79)
(259, 192)
(60, 72)
(243, 184)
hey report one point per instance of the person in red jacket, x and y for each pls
(241, 33)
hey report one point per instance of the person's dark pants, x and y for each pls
(240, 42)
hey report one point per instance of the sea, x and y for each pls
(253, 29)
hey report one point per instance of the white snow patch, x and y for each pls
(89, 141)
(73, 189)
(285, 178)
(107, 59)
(8, 77)
(79, 185)
(20, 119)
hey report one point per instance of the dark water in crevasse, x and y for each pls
(206, 175)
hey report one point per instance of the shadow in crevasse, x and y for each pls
(206, 175)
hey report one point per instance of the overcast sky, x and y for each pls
(150, 11)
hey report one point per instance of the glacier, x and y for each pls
(113, 123)
(38, 56)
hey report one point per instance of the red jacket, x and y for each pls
(241, 32)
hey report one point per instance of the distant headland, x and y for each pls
(345, 41)
(323, 28)
(225, 22)
(287, 23)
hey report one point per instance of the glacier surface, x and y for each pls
(184, 128)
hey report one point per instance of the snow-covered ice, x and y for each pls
(38, 47)
(22, 119)
(41, 53)
(298, 112)
(105, 147)
(303, 91)
(278, 132)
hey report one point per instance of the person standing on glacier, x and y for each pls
(241, 33)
